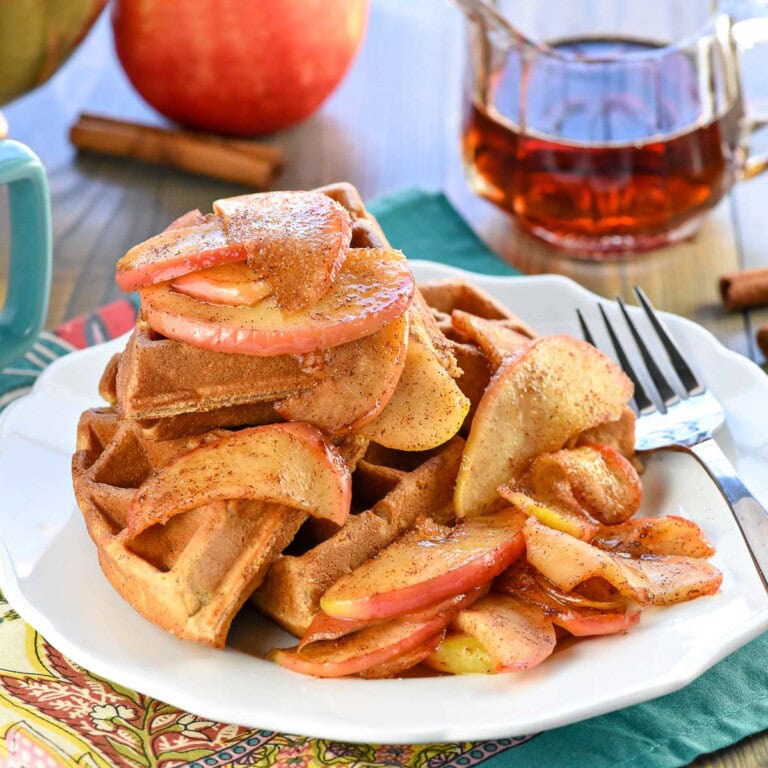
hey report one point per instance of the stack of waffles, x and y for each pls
(383, 413)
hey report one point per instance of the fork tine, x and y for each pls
(585, 332)
(643, 402)
(667, 394)
(688, 378)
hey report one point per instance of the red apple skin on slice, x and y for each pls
(355, 653)
(547, 393)
(291, 464)
(295, 240)
(325, 627)
(232, 284)
(177, 251)
(515, 634)
(374, 287)
(426, 565)
(355, 394)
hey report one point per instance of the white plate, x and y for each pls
(51, 576)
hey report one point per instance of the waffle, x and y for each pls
(408, 487)
(192, 575)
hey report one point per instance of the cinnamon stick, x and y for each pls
(762, 338)
(743, 290)
(236, 160)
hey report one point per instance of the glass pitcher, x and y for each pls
(606, 127)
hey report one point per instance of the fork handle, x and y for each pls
(751, 516)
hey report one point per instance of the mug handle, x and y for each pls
(751, 35)
(29, 274)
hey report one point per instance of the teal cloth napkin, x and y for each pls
(721, 707)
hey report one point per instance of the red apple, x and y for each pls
(237, 67)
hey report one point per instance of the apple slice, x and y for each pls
(426, 409)
(325, 627)
(426, 565)
(497, 338)
(362, 650)
(374, 286)
(619, 434)
(289, 464)
(652, 580)
(549, 391)
(594, 480)
(355, 393)
(405, 661)
(577, 614)
(460, 654)
(669, 535)
(515, 634)
(177, 251)
(570, 521)
(297, 241)
(232, 284)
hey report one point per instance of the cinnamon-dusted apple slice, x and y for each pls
(374, 286)
(426, 409)
(594, 480)
(405, 661)
(497, 338)
(669, 535)
(426, 565)
(573, 612)
(290, 464)
(355, 392)
(352, 654)
(651, 580)
(619, 434)
(325, 627)
(548, 392)
(296, 241)
(515, 634)
(179, 250)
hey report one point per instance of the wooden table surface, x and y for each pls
(394, 122)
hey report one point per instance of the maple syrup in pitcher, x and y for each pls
(604, 161)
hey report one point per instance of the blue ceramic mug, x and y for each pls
(29, 275)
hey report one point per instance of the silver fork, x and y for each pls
(685, 422)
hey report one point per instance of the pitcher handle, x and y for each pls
(751, 34)
(29, 275)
